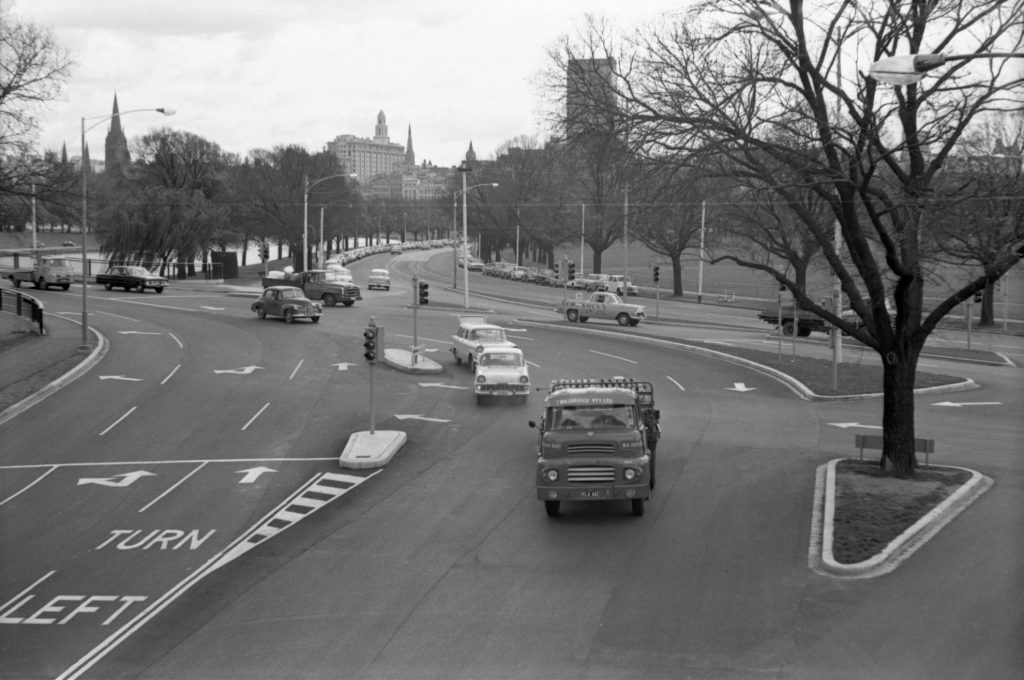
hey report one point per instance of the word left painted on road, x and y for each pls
(60, 609)
(163, 539)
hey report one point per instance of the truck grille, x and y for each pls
(591, 449)
(591, 474)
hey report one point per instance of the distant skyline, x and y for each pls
(250, 74)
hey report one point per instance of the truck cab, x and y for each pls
(596, 442)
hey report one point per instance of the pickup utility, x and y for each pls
(805, 322)
(45, 272)
(601, 306)
(330, 286)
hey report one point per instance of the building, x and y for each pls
(370, 158)
(116, 158)
(589, 97)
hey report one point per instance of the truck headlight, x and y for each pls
(630, 474)
(551, 475)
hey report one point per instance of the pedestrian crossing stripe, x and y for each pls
(317, 493)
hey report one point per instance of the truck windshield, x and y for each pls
(590, 417)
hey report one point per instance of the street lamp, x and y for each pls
(85, 346)
(305, 217)
(465, 169)
(910, 68)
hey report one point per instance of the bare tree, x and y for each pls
(753, 81)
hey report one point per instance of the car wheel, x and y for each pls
(572, 315)
(348, 303)
(141, 288)
(788, 328)
(480, 399)
(289, 316)
(329, 300)
(316, 319)
(552, 508)
(634, 322)
(455, 355)
(261, 313)
(65, 286)
(471, 362)
(639, 506)
(583, 319)
(108, 286)
(623, 319)
(17, 282)
(159, 289)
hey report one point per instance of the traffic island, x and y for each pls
(371, 449)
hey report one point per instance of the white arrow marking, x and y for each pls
(215, 309)
(958, 404)
(252, 474)
(117, 480)
(343, 366)
(414, 417)
(849, 425)
(740, 387)
(244, 370)
(444, 385)
(429, 349)
(119, 377)
(139, 333)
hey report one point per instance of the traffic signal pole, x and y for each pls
(370, 339)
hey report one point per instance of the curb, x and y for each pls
(820, 558)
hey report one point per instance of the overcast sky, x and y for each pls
(250, 74)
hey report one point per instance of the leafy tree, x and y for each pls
(750, 81)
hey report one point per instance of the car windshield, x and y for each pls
(501, 359)
(590, 418)
(489, 334)
(291, 293)
(138, 271)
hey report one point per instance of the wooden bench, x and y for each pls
(874, 441)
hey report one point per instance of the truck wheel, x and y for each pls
(639, 506)
(348, 303)
(329, 300)
(652, 469)
(41, 283)
(787, 329)
(583, 319)
(552, 507)
(623, 319)
(289, 316)
(572, 315)
(108, 286)
(804, 332)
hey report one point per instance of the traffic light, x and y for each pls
(657, 273)
(266, 252)
(424, 292)
(370, 344)
(572, 271)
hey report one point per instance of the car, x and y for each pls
(501, 372)
(597, 282)
(68, 244)
(288, 302)
(131, 278)
(379, 278)
(615, 285)
(476, 265)
(474, 335)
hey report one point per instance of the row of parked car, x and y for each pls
(610, 283)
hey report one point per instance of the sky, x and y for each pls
(248, 74)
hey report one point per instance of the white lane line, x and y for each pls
(114, 424)
(26, 488)
(170, 375)
(674, 382)
(172, 488)
(296, 369)
(244, 427)
(26, 591)
(175, 338)
(613, 356)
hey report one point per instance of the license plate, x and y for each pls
(595, 493)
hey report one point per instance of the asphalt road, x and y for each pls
(179, 513)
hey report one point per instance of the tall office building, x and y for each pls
(589, 97)
(369, 158)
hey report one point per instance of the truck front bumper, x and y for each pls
(594, 493)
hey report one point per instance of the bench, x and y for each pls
(874, 441)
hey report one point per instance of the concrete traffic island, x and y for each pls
(371, 449)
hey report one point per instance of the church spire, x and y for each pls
(410, 155)
(116, 157)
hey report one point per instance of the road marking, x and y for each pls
(114, 424)
(444, 385)
(415, 417)
(296, 369)
(213, 309)
(30, 485)
(342, 366)
(170, 375)
(673, 381)
(120, 377)
(849, 425)
(244, 370)
(740, 387)
(244, 427)
(175, 338)
(122, 480)
(613, 356)
(252, 474)
(138, 333)
(174, 486)
(958, 404)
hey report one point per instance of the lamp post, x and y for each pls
(308, 186)
(464, 169)
(85, 346)
(910, 68)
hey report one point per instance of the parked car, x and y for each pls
(288, 302)
(131, 278)
(379, 278)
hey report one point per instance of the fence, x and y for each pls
(22, 306)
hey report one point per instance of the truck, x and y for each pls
(328, 285)
(601, 305)
(46, 271)
(805, 323)
(596, 441)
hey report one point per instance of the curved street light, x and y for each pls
(307, 186)
(910, 68)
(464, 169)
(85, 346)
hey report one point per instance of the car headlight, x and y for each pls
(481, 378)
(524, 379)
(551, 475)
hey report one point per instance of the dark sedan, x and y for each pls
(288, 302)
(131, 278)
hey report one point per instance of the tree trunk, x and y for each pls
(898, 413)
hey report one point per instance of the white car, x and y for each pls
(474, 336)
(379, 278)
(501, 372)
(615, 285)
